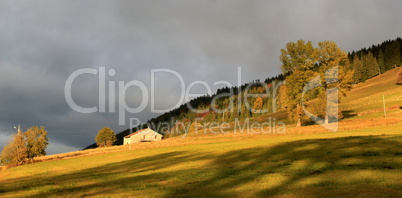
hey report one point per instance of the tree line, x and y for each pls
(375, 60)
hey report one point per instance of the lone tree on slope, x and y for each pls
(105, 137)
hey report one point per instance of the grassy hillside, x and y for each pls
(363, 159)
(353, 163)
(366, 98)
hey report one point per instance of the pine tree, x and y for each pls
(380, 60)
(358, 68)
(392, 55)
(371, 65)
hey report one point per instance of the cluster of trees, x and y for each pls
(303, 63)
(376, 59)
(24, 146)
(227, 105)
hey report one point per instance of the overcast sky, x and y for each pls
(43, 42)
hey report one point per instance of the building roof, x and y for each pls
(142, 130)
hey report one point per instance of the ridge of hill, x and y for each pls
(384, 54)
(366, 98)
(362, 108)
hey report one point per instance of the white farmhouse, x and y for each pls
(144, 135)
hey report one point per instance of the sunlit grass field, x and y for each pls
(362, 159)
(368, 96)
(358, 163)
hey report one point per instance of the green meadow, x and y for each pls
(357, 163)
(363, 159)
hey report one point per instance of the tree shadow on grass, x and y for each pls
(102, 179)
(299, 161)
(349, 114)
(256, 172)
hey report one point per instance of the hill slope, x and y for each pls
(363, 159)
(368, 96)
(353, 163)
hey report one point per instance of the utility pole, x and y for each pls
(18, 129)
(383, 102)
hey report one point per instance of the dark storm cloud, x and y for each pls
(43, 42)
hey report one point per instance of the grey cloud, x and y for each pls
(43, 42)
